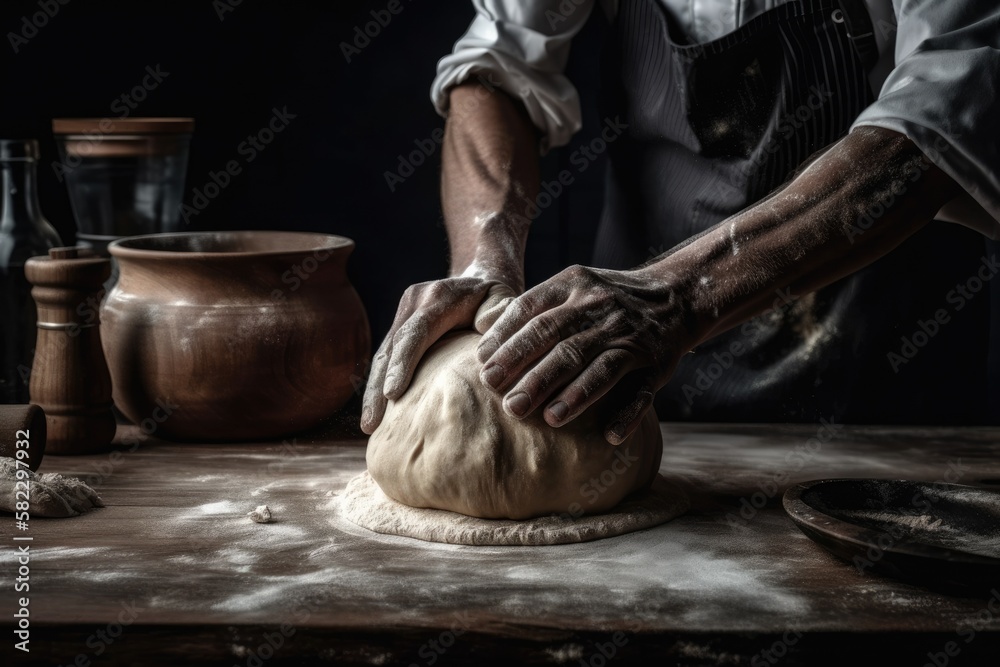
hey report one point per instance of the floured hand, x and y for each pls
(568, 341)
(426, 312)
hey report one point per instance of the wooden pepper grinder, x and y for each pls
(69, 378)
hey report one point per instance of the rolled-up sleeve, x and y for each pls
(522, 48)
(942, 93)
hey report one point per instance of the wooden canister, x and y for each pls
(69, 377)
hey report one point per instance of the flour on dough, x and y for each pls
(447, 444)
(364, 504)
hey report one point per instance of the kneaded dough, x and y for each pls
(364, 504)
(447, 444)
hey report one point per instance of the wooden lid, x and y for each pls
(68, 267)
(72, 252)
(124, 145)
(122, 125)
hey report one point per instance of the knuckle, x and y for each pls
(515, 313)
(616, 320)
(415, 327)
(522, 305)
(570, 353)
(545, 329)
(577, 272)
(612, 362)
(411, 292)
(597, 302)
(437, 290)
(382, 356)
(373, 392)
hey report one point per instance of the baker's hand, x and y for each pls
(567, 342)
(426, 312)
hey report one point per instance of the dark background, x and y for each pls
(326, 171)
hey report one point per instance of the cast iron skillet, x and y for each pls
(940, 536)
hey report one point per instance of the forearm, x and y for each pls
(489, 177)
(814, 231)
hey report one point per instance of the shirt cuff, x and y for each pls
(945, 104)
(526, 65)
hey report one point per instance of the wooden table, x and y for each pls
(173, 572)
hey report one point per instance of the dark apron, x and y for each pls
(714, 128)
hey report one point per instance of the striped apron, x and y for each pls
(715, 127)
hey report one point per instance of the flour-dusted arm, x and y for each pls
(506, 100)
(570, 340)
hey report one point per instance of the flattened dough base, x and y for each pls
(364, 504)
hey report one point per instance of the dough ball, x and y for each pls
(447, 444)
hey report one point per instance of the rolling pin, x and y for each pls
(18, 421)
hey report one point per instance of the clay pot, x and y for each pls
(233, 335)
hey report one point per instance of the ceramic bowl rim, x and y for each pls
(121, 248)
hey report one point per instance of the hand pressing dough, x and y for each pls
(447, 444)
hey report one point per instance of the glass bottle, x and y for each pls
(24, 233)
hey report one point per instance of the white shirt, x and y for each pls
(938, 76)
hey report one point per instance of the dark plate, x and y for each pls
(941, 536)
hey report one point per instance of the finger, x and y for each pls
(411, 342)
(600, 377)
(628, 418)
(566, 361)
(374, 403)
(518, 312)
(497, 299)
(408, 345)
(535, 340)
